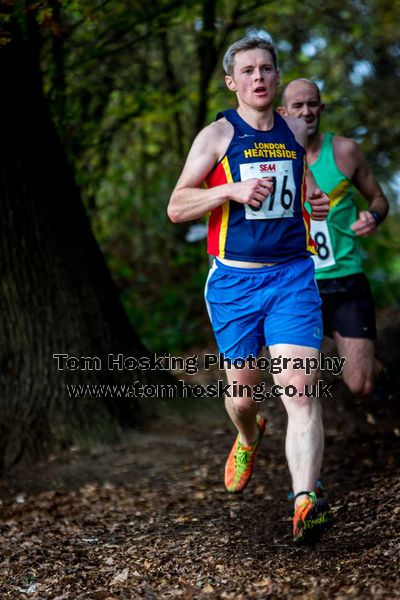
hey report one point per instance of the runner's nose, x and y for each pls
(305, 111)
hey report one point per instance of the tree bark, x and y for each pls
(56, 294)
(207, 53)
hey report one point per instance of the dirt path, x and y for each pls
(150, 519)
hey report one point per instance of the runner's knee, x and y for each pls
(359, 383)
(298, 382)
(242, 405)
(298, 392)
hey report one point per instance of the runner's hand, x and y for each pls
(319, 202)
(252, 191)
(365, 224)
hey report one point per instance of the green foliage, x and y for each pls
(382, 262)
(130, 84)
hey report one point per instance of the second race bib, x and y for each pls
(325, 256)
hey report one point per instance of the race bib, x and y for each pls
(325, 256)
(280, 203)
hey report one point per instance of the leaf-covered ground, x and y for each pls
(150, 518)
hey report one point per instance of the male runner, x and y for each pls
(338, 164)
(261, 289)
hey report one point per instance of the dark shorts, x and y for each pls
(348, 306)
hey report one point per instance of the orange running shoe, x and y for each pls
(311, 519)
(239, 466)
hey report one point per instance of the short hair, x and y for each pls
(283, 96)
(255, 40)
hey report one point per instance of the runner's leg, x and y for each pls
(359, 366)
(242, 409)
(305, 435)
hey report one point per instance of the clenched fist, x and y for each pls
(252, 191)
(319, 202)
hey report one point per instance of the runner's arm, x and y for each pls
(189, 200)
(364, 181)
(318, 200)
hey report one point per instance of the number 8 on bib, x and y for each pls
(320, 234)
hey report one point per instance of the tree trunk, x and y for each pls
(56, 294)
(207, 53)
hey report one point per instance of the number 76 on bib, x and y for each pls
(280, 202)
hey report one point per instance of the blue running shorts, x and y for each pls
(252, 308)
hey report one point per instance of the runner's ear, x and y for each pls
(230, 83)
(282, 111)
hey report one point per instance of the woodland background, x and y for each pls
(99, 104)
(129, 87)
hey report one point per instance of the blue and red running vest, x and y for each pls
(279, 230)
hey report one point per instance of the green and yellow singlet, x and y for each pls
(338, 246)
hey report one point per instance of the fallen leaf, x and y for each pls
(120, 577)
(208, 589)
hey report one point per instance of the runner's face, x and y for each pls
(255, 79)
(301, 100)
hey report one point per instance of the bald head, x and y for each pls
(301, 98)
(300, 85)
